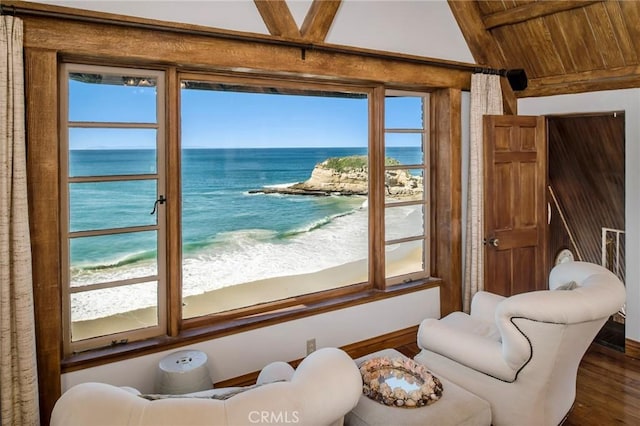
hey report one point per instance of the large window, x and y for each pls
(266, 215)
(274, 207)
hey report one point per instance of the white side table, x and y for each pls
(183, 372)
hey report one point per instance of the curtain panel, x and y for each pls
(486, 99)
(18, 368)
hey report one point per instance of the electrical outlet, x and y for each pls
(311, 346)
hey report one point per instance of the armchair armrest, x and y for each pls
(476, 352)
(275, 372)
(484, 305)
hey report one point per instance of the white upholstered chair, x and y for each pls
(522, 353)
(325, 386)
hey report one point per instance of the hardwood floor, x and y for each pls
(608, 388)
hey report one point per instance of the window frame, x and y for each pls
(69, 346)
(292, 303)
(173, 324)
(424, 132)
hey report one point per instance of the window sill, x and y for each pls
(102, 356)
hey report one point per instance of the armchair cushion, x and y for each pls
(480, 351)
(483, 306)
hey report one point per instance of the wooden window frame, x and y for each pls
(282, 309)
(69, 346)
(424, 132)
(286, 307)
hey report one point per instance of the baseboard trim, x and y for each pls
(390, 340)
(394, 339)
(632, 348)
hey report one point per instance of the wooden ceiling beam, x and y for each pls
(319, 19)
(278, 19)
(125, 44)
(588, 81)
(531, 11)
(483, 46)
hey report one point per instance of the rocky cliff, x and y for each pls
(349, 176)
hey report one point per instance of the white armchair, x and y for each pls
(522, 353)
(325, 386)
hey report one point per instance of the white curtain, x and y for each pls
(486, 99)
(18, 370)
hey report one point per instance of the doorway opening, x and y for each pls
(586, 160)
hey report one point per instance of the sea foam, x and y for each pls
(249, 255)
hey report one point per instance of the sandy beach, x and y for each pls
(253, 293)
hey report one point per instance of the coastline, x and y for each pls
(251, 293)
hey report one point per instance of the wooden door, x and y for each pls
(515, 204)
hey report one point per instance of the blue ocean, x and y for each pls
(229, 236)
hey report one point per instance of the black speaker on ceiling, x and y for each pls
(517, 78)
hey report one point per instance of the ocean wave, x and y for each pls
(127, 260)
(333, 241)
(216, 192)
(243, 236)
(281, 185)
(317, 224)
(195, 246)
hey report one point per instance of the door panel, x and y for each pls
(502, 185)
(525, 275)
(515, 171)
(527, 200)
(498, 272)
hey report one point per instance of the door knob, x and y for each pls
(493, 241)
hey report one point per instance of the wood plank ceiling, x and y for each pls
(564, 46)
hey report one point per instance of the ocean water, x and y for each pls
(229, 236)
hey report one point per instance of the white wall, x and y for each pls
(615, 100)
(242, 353)
(423, 28)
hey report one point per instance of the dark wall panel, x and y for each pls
(586, 174)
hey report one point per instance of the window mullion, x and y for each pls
(112, 178)
(376, 189)
(174, 207)
(113, 284)
(112, 231)
(110, 125)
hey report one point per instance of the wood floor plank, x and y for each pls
(608, 389)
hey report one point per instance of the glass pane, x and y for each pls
(404, 222)
(404, 185)
(245, 240)
(108, 152)
(124, 99)
(104, 205)
(404, 258)
(114, 257)
(405, 148)
(403, 112)
(113, 310)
